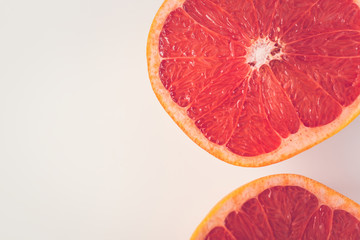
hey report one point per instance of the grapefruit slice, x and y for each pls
(280, 207)
(255, 82)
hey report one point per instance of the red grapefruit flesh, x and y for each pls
(280, 207)
(255, 82)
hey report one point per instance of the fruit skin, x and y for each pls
(304, 139)
(239, 196)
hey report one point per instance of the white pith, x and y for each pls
(259, 53)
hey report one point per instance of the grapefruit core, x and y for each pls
(283, 206)
(255, 82)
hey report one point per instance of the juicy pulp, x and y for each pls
(250, 103)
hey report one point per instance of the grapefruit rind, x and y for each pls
(237, 198)
(296, 143)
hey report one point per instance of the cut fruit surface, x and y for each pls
(255, 82)
(283, 206)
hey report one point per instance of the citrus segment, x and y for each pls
(283, 206)
(288, 209)
(265, 10)
(334, 44)
(253, 134)
(345, 226)
(313, 104)
(214, 18)
(285, 16)
(178, 76)
(179, 28)
(325, 16)
(244, 13)
(257, 81)
(251, 215)
(278, 107)
(216, 125)
(220, 233)
(318, 227)
(337, 76)
(220, 89)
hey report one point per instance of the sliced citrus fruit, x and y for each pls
(283, 206)
(255, 82)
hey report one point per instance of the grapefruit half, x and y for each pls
(254, 82)
(281, 207)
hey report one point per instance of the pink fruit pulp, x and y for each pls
(250, 73)
(284, 213)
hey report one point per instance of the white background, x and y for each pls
(86, 150)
